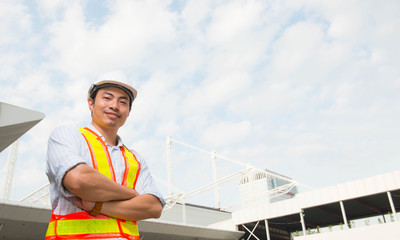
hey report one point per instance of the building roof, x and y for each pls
(14, 122)
(364, 198)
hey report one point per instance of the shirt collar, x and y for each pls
(119, 140)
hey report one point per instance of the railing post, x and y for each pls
(214, 166)
(169, 167)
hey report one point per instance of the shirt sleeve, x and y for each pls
(63, 154)
(145, 183)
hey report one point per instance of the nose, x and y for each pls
(114, 105)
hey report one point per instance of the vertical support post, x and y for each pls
(214, 166)
(184, 211)
(169, 165)
(9, 177)
(250, 175)
(267, 229)
(344, 215)
(392, 205)
(303, 225)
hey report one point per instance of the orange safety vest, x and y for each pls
(82, 225)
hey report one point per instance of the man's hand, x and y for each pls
(89, 184)
(83, 204)
(137, 208)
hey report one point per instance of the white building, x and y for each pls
(265, 182)
(362, 209)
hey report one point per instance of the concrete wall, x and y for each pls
(387, 231)
(195, 215)
(363, 187)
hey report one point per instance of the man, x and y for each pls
(98, 187)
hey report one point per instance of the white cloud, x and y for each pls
(232, 20)
(129, 30)
(15, 22)
(195, 13)
(157, 98)
(215, 92)
(303, 87)
(16, 37)
(296, 48)
(226, 133)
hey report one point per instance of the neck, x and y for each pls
(109, 134)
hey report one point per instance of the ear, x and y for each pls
(91, 104)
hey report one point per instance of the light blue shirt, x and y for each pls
(67, 148)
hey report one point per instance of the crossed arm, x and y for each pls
(118, 201)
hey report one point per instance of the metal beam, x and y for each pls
(369, 206)
(330, 211)
(251, 232)
(306, 222)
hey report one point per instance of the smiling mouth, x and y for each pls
(112, 115)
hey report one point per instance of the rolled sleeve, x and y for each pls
(145, 183)
(62, 155)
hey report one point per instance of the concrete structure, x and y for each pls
(382, 231)
(14, 122)
(19, 220)
(338, 207)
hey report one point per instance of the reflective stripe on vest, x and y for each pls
(82, 225)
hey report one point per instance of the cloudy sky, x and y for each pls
(306, 88)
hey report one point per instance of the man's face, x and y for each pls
(110, 108)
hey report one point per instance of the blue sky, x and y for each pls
(305, 88)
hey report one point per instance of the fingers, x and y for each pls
(83, 204)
